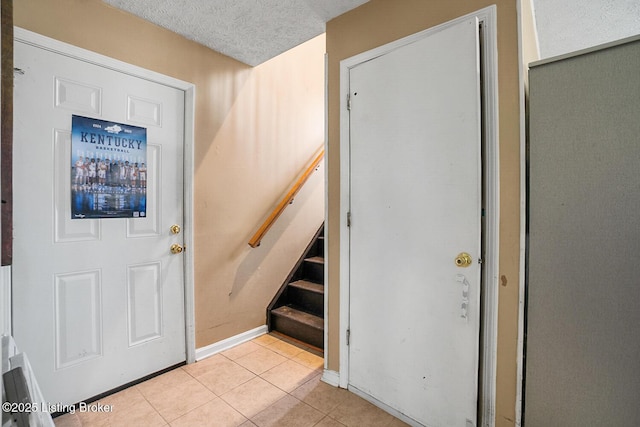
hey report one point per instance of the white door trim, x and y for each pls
(71, 51)
(522, 71)
(489, 321)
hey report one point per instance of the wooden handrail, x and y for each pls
(286, 200)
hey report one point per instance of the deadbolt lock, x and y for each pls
(463, 260)
(175, 229)
(176, 248)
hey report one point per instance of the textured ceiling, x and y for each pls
(569, 25)
(251, 31)
(254, 31)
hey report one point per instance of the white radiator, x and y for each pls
(22, 402)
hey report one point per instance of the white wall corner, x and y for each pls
(226, 344)
(532, 9)
(331, 377)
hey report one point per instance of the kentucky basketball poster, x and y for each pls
(108, 169)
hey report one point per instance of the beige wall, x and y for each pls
(255, 130)
(381, 21)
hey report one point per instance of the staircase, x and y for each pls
(297, 310)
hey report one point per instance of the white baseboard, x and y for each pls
(331, 378)
(217, 347)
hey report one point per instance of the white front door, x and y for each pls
(97, 303)
(415, 202)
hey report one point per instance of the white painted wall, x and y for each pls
(5, 300)
(5, 289)
(569, 25)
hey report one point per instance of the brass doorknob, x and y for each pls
(463, 260)
(176, 248)
(175, 229)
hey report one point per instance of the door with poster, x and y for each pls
(98, 294)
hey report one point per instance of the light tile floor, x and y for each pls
(263, 382)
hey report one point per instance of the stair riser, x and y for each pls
(299, 331)
(311, 302)
(313, 272)
(319, 247)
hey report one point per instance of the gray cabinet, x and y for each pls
(582, 354)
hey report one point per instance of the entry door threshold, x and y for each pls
(120, 388)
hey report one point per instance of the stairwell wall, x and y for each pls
(256, 129)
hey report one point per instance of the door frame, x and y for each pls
(489, 312)
(189, 89)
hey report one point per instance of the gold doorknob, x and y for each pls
(175, 229)
(463, 260)
(176, 248)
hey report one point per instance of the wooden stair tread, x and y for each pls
(308, 286)
(297, 310)
(299, 316)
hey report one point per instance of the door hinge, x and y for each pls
(348, 102)
(348, 336)
(348, 219)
